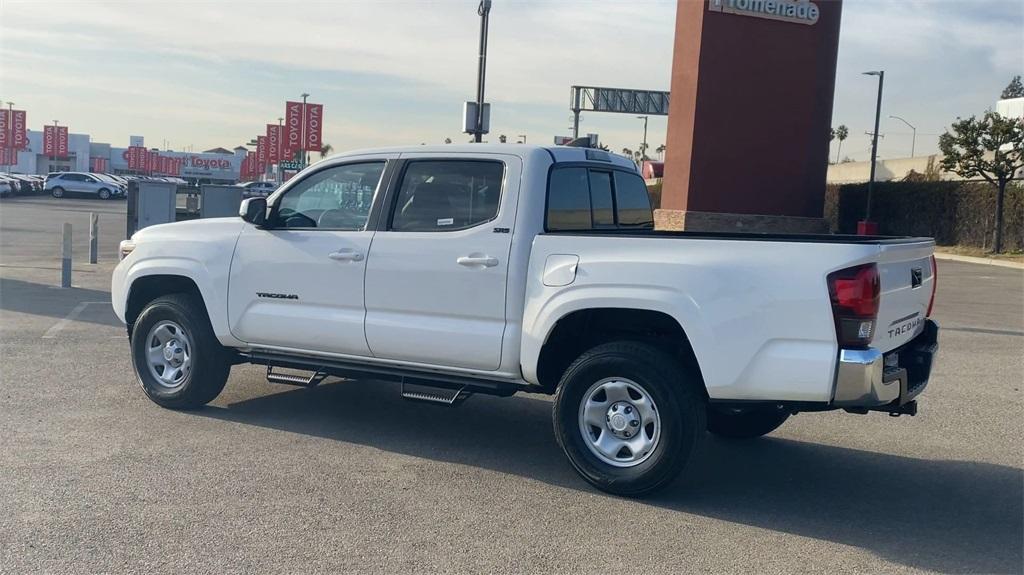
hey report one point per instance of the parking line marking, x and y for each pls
(72, 316)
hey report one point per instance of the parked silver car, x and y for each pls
(83, 183)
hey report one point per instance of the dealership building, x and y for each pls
(213, 166)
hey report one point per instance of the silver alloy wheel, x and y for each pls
(168, 354)
(619, 422)
(57, 192)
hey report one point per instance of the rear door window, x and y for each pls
(447, 195)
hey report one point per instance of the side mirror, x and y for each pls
(254, 211)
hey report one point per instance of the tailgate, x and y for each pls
(907, 278)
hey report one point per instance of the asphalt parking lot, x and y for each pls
(350, 477)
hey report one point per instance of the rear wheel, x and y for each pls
(104, 194)
(628, 416)
(745, 423)
(57, 192)
(177, 358)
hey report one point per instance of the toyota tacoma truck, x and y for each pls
(499, 269)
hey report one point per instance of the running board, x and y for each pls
(293, 379)
(353, 370)
(429, 393)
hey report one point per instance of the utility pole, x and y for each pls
(305, 153)
(867, 227)
(484, 10)
(643, 148)
(913, 140)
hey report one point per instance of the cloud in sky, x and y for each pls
(211, 73)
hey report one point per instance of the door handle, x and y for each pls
(346, 256)
(475, 260)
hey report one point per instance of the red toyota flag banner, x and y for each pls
(153, 163)
(49, 140)
(99, 164)
(314, 122)
(62, 141)
(293, 120)
(19, 136)
(5, 129)
(273, 143)
(261, 153)
(8, 156)
(251, 172)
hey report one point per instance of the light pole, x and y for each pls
(280, 148)
(643, 147)
(913, 140)
(866, 226)
(484, 10)
(305, 153)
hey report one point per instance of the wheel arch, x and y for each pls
(581, 329)
(147, 288)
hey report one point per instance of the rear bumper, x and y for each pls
(864, 380)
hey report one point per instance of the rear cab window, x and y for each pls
(596, 197)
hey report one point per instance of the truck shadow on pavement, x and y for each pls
(941, 515)
(46, 300)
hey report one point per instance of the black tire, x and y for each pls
(57, 192)
(745, 424)
(210, 362)
(104, 194)
(675, 390)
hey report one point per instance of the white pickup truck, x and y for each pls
(504, 268)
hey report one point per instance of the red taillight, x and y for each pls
(855, 297)
(935, 279)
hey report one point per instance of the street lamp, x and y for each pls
(913, 140)
(866, 226)
(305, 154)
(643, 147)
(484, 11)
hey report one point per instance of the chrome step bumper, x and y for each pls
(863, 379)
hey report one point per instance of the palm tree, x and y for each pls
(842, 132)
(502, 138)
(661, 152)
(627, 152)
(325, 150)
(447, 140)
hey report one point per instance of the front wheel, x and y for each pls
(104, 194)
(629, 417)
(736, 423)
(57, 192)
(177, 358)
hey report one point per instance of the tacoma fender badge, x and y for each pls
(276, 295)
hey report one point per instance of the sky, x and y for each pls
(201, 73)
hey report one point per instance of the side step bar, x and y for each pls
(293, 379)
(445, 396)
(322, 367)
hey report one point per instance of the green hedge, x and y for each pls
(954, 213)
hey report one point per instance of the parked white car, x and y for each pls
(257, 189)
(502, 268)
(59, 185)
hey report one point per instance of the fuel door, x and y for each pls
(560, 269)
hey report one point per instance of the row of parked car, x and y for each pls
(14, 184)
(60, 184)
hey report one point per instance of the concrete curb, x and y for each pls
(976, 260)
